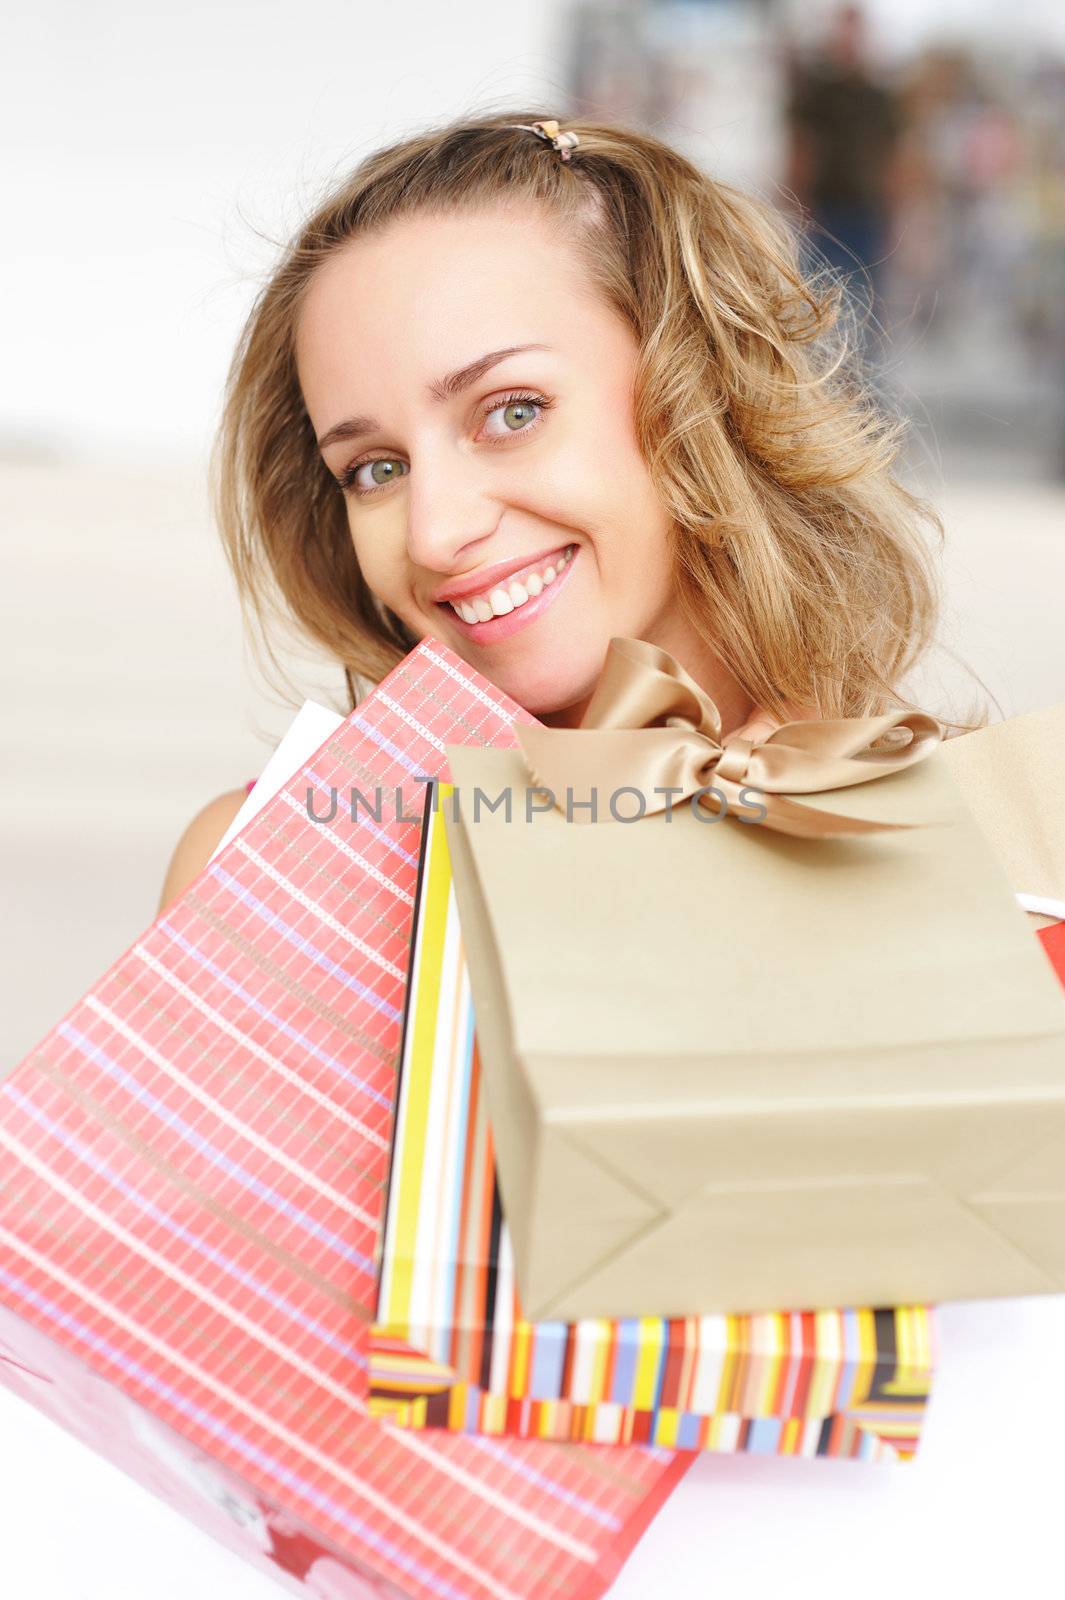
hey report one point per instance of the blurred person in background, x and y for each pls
(844, 127)
(1041, 274)
(961, 213)
(977, 275)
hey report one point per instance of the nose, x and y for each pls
(449, 512)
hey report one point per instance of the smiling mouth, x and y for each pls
(513, 593)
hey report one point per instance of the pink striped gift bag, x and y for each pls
(193, 1165)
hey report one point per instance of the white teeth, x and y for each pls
(498, 602)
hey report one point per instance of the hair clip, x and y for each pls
(560, 142)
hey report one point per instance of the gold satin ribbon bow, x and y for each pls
(649, 725)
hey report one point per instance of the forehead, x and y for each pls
(428, 292)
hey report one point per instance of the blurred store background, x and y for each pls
(154, 160)
(925, 147)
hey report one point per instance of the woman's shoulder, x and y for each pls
(199, 840)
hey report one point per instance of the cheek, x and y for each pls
(602, 467)
(379, 543)
(583, 483)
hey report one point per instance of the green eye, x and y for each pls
(382, 471)
(518, 414)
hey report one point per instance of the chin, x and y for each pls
(550, 690)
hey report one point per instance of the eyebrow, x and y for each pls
(445, 388)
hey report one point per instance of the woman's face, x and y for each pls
(510, 484)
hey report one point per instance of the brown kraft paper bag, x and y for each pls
(729, 1068)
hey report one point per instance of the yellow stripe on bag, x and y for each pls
(865, 1368)
(523, 1341)
(425, 985)
(649, 1357)
(914, 1347)
(667, 1427)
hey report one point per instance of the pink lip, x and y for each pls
(492, 577)
(502, 627)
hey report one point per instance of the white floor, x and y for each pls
(977, 1514)
(131, 706)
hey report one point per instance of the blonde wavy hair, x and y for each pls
(797, 552)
